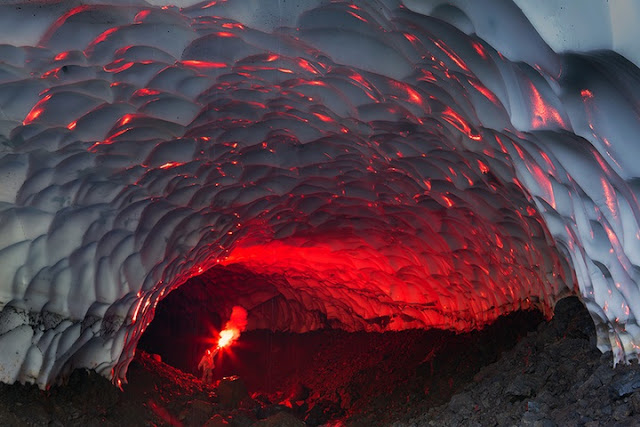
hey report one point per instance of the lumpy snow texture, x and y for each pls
(352, 165)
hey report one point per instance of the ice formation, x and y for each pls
(353, 165)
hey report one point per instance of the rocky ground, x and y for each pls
(552, 376)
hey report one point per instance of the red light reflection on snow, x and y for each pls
(170, 165)
(204, 65)
(61, 20)
(355, 15)
(484, 91)
(146, 92)
(235, 25)
(102, 37)
(477, 46)
(324, 118)
(36, 111)
(459, 123)
(117, 66)
(306, 65)
(141, 16)
(61, 56)
(225, 34)
(451, 54)
(544, 114)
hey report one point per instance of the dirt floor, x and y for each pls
(552, 375)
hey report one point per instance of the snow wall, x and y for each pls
(358, 165)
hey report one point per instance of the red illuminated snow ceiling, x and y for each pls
(378, 169)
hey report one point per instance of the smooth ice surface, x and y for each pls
(364, 166)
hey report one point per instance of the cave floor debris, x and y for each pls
(554, 375)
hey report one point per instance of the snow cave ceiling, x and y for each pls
(359, 165)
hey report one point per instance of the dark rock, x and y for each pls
(281, 419)
(217, 421)
(504, 419)
(533, 406)
(197, 413)
(461, 403)
(262, 398)
(635, 402)
(602, 375)
(529, 419)
(520, 388)
(232, 392)
(267, 411)
(535, 420)
(572, 320)
(299, 392)
(621, 412)
(323, 411)
(241, 420)
(626, 385)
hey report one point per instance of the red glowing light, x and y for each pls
(61, 56)
(543, 180)
(483, 168)
(233, 25)
(202, 64)
(586, 93)
(304, 64)
(484, 91)
(451, 54)
(313, 82)
(60, 21)
(479, 49)
(146, 92)
(53, 72)
(36, 111)
(324, 118)
(226, 338)
(355, 15)
(126, 119)
(141, 16)
(609, 194)
(231, 332)
(225, 34)
(427, 76)
(412, 95)
(117, 66)
(544, 114)
(413, 39)
(102, 37)
(170, 165)
(448, 201)
(546, 158)
(459, 123)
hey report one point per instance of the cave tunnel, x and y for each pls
(379, 167)
(350, 369)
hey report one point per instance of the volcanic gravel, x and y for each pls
(553, 375)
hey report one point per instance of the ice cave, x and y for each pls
(366, 166)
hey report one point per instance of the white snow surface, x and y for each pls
(141, 145)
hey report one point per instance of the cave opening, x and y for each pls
(346, 373)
